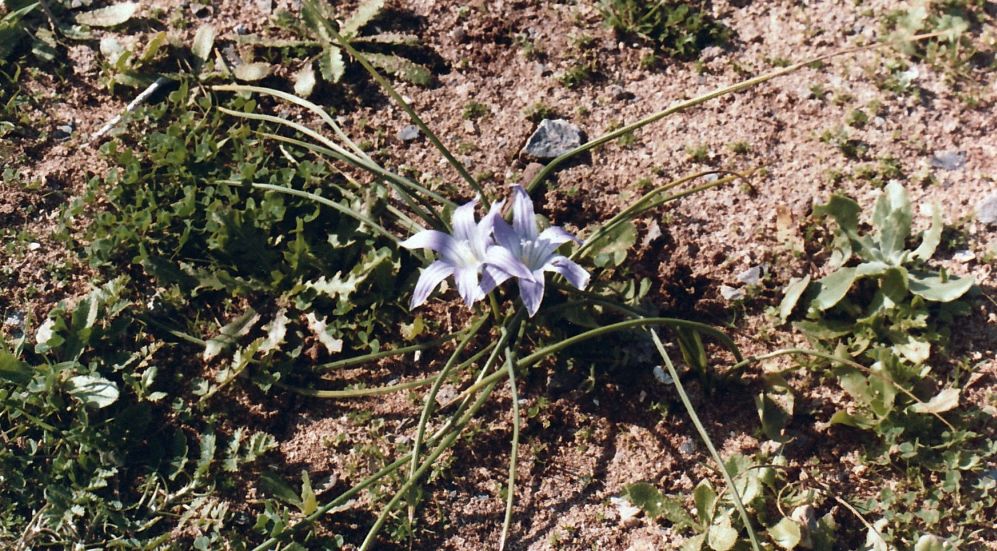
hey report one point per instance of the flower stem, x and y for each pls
(706, 439)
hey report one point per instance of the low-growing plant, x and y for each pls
(46, 23)
(785, 513)
(676, 29)
(90, 452)
(321, 30)
(879, 292)
(254, 258)
(948, 22)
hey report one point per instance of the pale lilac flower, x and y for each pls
(467, 254)
(536, 251)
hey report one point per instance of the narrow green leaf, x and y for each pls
(401, 68)
(892, 216)
(931, 237)
(933, 288)
(826, 329)
(786, 533)
(304, 81)
(274, 485)
(834, 287)
(706, 498)
(110, 16)
(394, 39)
(929, 542)
(207, 455)
(204, 41)
(13, 369)
(945, 400)
(364, 14)
(852, 420)
(308, 501)
(793, 293)
(251, 72)
(331, 64)
(228, 334)
(93, 390)
(153, 46)
(774, 419)
(722, 535)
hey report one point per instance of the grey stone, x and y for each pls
(751, 276)
(619, 93)
(731, 293)
(265, 6)
(948, 160)
(964, 257)
(986, 211)
(409, 133)
(553, 138)
(63, 132)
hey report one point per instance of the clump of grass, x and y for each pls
(857, 118)
(579, 73)
(674, 28)
(540, 111)
(698, 153)
(475, 110)
(740, 147)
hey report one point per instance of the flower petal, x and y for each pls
(481, 238)
(467, 285)
(504, 260)
(430, 239)
(463, 221)
(532, 293)
(429, 278)
(571, 271)
(557, 235)
(492, 277)
(524, 220)
(494, 213)
(506, 237)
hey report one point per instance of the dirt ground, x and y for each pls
(584, 445)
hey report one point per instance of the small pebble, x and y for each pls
(964, 257)
(409, 133)
(34, 246)
(687, 447)
(751, 276)
(15, 319)
(63, 132)
(986, 211)
(628, 513)
(618, 92)
(731, 293)
(948, 160)
(553, 138)
(661, 376)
